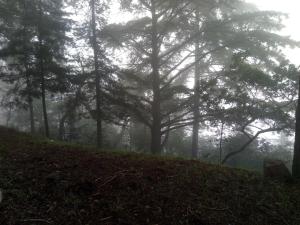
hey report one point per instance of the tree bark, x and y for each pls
(156, 104)
(196, 114)
(97, 79)
(296, 159)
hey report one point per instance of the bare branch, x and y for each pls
(243, 148)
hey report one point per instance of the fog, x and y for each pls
(129, 76)
(290, 7)
(149, 112)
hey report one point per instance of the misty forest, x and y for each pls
(147, 112)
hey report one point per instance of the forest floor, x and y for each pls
(49, 183)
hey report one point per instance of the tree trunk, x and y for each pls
(120, 135)
(30, 102)
(43, 87)
(296, 159)
(42, 77)
(196, 114)
(195, 135)
(28, 81)
(71, 123)
(61, 128)
(8, 117)
(31, 115)
(220, 143)
(97, 79)
(156, 113)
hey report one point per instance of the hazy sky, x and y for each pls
(291, 7)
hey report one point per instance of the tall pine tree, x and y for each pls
(50, 26)
(18, 52)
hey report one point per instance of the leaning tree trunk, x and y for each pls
(196, 97)
(156, 113)
(97, 79)
(296, 160)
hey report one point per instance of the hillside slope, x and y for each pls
(47, 183)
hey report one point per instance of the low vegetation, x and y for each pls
(48, 183)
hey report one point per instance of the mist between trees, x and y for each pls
(200, 79)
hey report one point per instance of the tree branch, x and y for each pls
(229, 155)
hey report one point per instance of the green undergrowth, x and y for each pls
(46, 182)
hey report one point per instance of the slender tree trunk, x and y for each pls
(61, 128)
(296, 159)
(97, 79)
(27, 74)
(43, 87)
(120, 135)
(8, 117)
(156, 111)
(31, 115)
(165, 141)
(196, 114)
(42, 76)
(30, 102)
(195, 134)
(72, 121)
(220, 144)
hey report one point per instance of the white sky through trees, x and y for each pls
(292, 29)
(291, 7)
